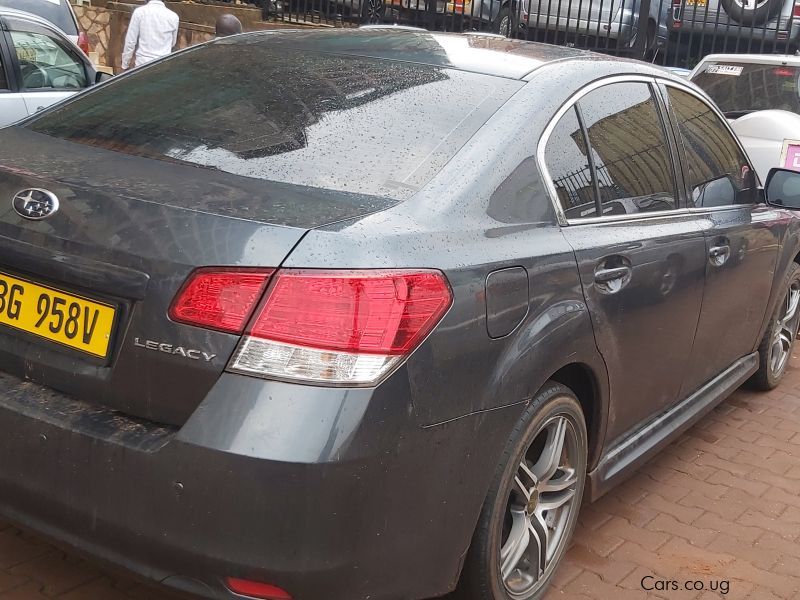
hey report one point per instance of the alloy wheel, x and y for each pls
(373, 11)
(785, 330)
(539, 508)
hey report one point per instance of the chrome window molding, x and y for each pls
(570, 104)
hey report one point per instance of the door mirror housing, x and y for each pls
(783, 188)
(101, 76)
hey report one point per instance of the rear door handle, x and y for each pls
(609, 275)
(718, 255)
(610, 280)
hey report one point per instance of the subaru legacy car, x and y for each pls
(366, 315)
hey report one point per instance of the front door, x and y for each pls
(47, 69)
(641, 257)
(742, 238)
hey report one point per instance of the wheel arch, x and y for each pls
(581, 379)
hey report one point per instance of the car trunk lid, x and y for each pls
(128, 232)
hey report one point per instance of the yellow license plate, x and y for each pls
(700, 3)
(63, 318)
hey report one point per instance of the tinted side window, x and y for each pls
(717, 172)
(630, 150)
(3, 82)
(565, 156)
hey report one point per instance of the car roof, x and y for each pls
(26, 16)
(476, 52)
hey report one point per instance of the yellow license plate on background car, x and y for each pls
(63, 318)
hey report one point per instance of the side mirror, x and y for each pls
(783, 188)
(101, 76)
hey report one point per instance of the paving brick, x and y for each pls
(56, 572)
(647, 537)
(17, 547)
(754, 488)
(593, 586)
(695, 535)
(713, 522)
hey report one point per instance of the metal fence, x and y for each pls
(674, 33)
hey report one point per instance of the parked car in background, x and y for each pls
(611, 21)
(59, 12)
(239, 366)
(760, 95)
(739, 22)
(39, 65)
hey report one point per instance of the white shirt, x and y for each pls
(153, 32)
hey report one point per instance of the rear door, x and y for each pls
(742, 237)
(640, 253)
(47, 67)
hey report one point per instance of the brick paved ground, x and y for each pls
(722, 504)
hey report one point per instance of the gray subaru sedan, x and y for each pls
(349, 315)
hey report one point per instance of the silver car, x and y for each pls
(613, 23)
(39, 66)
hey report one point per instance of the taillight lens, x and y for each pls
(796, 11)
(221, 299)
(255, 589)
(83, 43)
(341, 327)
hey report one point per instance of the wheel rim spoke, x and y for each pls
(548, 463)
(541, 535)
(556, 500)
(516, 545)
(567, 480)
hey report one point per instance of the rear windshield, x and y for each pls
(344, 123)
(55, 11)
(740, 88)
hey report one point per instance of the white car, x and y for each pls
(58, 12)
(760, 96)
(39, 66)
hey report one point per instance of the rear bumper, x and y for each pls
(312, 490)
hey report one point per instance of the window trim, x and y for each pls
(667, 119)
(727, 126)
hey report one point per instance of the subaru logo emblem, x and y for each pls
(35, 204)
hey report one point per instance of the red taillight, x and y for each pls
(783, 72)
(221, 299)
(341, 327)
(370, 312)
(796, 11)
(254, 589)
(83, 43)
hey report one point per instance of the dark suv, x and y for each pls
(358, 316)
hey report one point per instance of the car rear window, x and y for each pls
(321, 120)
(739, 88)
(57, 12)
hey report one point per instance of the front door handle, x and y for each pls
(719, 255)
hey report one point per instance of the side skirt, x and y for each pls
(622, 460)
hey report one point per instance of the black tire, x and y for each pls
(373, 11)
(503, 16)
(481, 577)
(751, 12)
(780, 335)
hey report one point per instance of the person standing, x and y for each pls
(152, 33)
